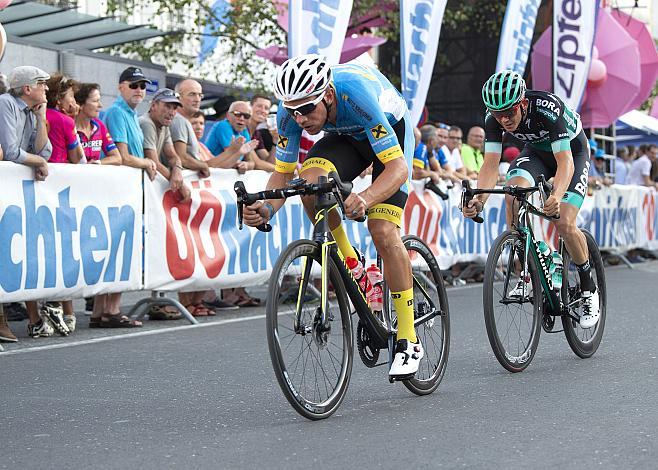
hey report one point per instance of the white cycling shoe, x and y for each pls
(522, 289)
(590, 316)
(407, 358)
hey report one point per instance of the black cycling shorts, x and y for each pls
(349, 157)
(532, 162)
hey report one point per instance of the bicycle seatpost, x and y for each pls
(467, 196)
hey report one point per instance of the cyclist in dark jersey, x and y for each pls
(556, 146)
(366, 122)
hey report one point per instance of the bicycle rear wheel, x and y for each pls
(434, 334)
(513, 324)
(312, 364)
(583, 342)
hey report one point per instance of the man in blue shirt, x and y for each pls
(226, 141)
(121, 120)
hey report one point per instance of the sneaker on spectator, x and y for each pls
(40, 330)
(15, 311)
(53, 312)
(6, 335)
(219, 304)
(70, 321)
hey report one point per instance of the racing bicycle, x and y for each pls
(514, 323)
(312, 297)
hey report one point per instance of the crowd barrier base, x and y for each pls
(158, 298)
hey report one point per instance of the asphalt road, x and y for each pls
(206, 397)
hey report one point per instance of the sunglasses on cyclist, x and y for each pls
(241, 115)
(136, 85)
(507, 113)
(304, 108)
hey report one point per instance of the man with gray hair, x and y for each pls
(24, 140)
(185, 142)
(232, 133)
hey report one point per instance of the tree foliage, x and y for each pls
(252, 24)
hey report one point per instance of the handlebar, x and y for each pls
(519, 192)
(296, 187)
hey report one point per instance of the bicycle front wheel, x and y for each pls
(513, 322)
(434, 334)
(312, 359)
(583, 342)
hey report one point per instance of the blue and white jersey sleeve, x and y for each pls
(287, 145)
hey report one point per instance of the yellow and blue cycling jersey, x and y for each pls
(367, 107)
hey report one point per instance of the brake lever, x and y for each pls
(467, 196)
(242, 199)
(240, 191)
(341, 190)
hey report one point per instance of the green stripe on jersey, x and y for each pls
(561, 145)
(493, 147)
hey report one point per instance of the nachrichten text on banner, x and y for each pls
(77, 234)
(420, 27)
(516, 35)
(318, 27)
(574, 26)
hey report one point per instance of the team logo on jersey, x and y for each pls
(379, 131)
(282, 142)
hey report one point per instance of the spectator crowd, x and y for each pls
(48, 119)
(53, 119)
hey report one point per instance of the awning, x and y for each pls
(636, 128)
(66, 27)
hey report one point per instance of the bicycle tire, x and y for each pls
(584, 343)
(514, 358)
(433, 365)
(308, 402)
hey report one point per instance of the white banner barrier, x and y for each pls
(74, 235)
(79, 233)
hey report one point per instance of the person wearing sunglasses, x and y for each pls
(366, 121)
(555, 146)
(230, 142)
(122, 121)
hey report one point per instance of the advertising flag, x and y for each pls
(574, 25)
(420, 27)
(318, 27)
(516, 35)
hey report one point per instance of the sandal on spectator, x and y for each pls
(164, 312)
(199, 310)
(247, 301)
(117, 320)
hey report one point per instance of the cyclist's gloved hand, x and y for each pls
(355, 206)
(552, 206)
(257, 214)
(473, 208)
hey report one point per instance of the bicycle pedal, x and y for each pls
(400, 378)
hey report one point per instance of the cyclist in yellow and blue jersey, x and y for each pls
(366, 121)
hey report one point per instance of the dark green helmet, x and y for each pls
(503, 90)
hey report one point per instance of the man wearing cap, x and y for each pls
(23, 129)
(158, 145)
(24, 139)
(122, 121)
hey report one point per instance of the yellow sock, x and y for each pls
(403, 302)
(343, 242)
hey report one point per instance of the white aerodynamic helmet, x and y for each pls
(301, 77)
